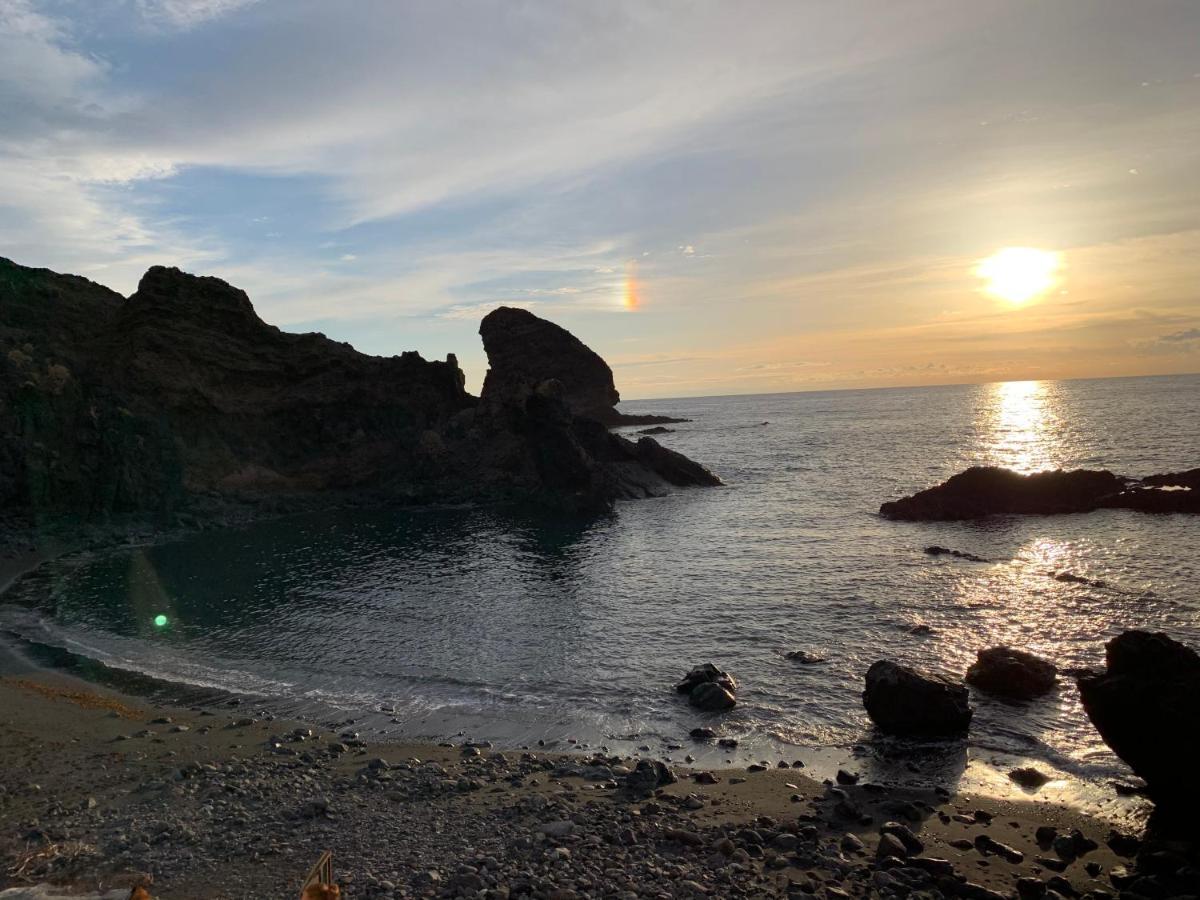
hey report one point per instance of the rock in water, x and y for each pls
(984, 491)
(1010, 673)
(902, 701)
(709, 688)
(1146, 706)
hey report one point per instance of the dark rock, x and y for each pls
(982, 491)
(1146, 706)
(180, 405)
(1028, 777)
(524, 350)
(712, 697)
(804, 657)
(648, 776)
(958, 554)
(1010, 673)
(1188, 479)
(900, 700)
(986, 844)
(657, 429)
(912, 844)
(702, 734)
(844, 777)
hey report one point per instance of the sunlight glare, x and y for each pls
(1018, 274)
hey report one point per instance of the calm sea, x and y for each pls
(518, 629)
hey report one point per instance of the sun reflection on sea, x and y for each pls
(1020, 426)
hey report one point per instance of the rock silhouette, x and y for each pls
(1146, 706)
(985, 490)
(180, 405)
(1010, 673)
(903, 701)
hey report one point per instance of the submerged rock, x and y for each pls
(903, 701)
(804, 657)
(1146, 706)
(1011, 673)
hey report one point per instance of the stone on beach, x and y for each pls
(903, 701)
(1011, 673)
(1146, 706)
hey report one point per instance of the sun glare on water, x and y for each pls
(1018, 274)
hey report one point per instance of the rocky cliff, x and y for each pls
(180, 400)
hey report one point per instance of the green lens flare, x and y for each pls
(161, 621)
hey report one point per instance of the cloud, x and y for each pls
(188, 13)
(1181, 337)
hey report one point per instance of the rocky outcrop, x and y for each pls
(903, 701)
(1013, 674)
(524, 350)
(180, 400)
(1146, 706)
(709, 688)
(983, 491)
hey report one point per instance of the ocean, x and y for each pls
(518, 628)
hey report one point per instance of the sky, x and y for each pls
(718, 198)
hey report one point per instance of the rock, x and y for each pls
(702, 734)
(902, 701)
(657, 429)
(728, 743)
(648, 776)
(959, 554)
(180, 405)
(804, 657)
(709, 688)
(912, 844)
(986, 844)
(1028, 777)
(852, 843)
(1010, 673)
(844, 777)
(1146, 706)
(983, 491)
(524, 351)
(889, 845)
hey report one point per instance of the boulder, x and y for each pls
(1013, 674)
(709, 688)
(903, 701)
(1146, 706)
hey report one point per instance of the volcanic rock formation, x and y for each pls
(178, 402)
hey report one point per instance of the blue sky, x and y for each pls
(801, 190)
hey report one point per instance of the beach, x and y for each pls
(101, 790)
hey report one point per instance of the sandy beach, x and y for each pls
(100, 790)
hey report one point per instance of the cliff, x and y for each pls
(180, 399)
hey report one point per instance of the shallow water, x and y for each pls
(515, 628)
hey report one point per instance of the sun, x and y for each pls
(1018, 274)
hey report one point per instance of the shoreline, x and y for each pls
(976, 770)
(104, 788)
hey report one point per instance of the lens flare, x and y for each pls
(1018, 274)
(161, 621)
(631, 294)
